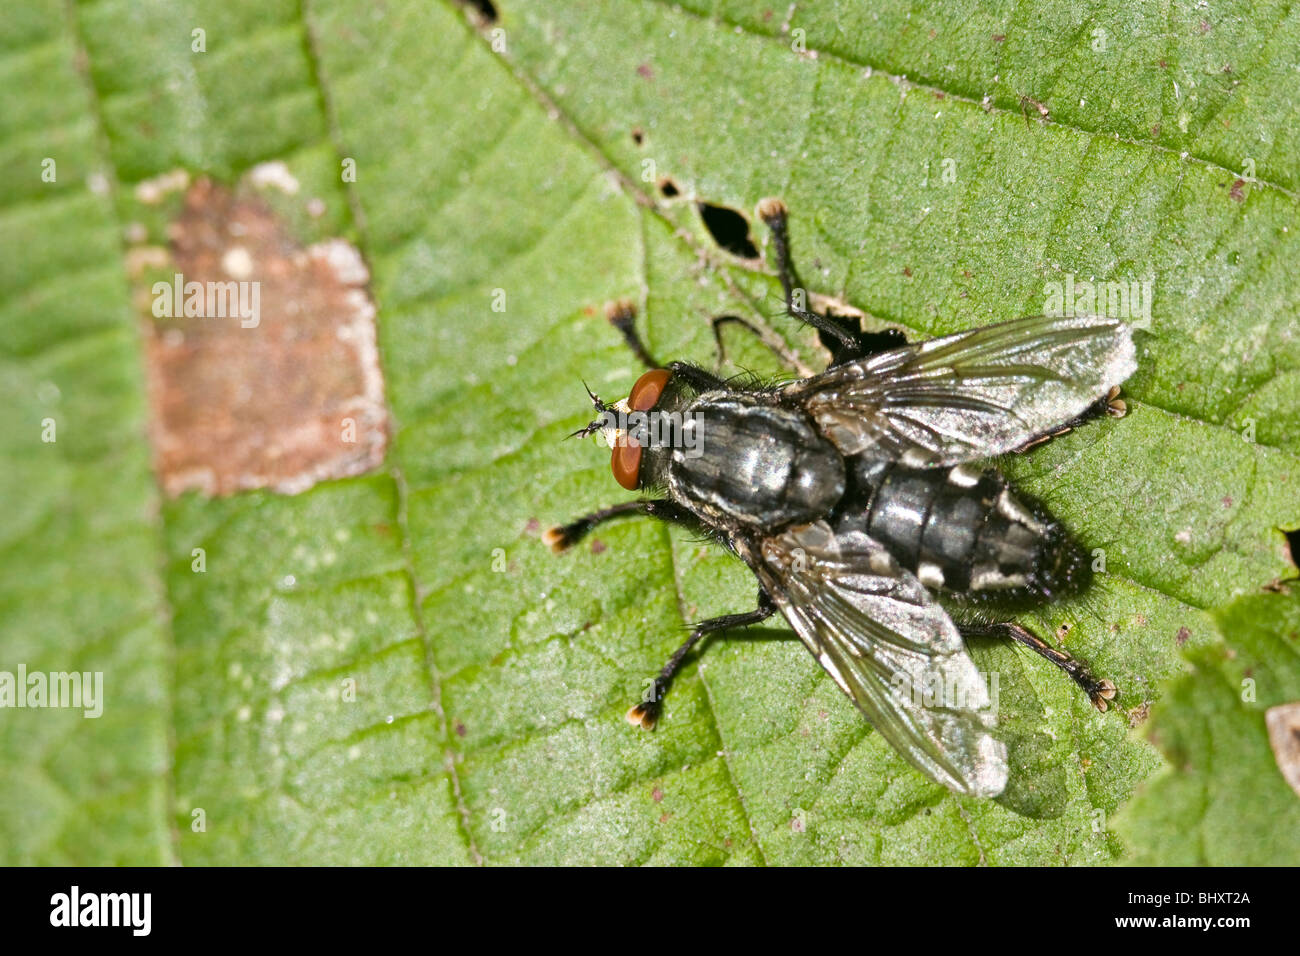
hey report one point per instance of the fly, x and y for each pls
(856, 499)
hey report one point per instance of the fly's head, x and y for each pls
(634, 460)
(622, 426)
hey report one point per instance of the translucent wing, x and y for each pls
(880, 634)
(972, 395)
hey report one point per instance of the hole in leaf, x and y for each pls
(1293, 545)
(668, 187)
(882, 341)
(729, 229)
(484, 10)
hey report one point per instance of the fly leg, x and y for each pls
(622, 315)
(773, 212)
(1109, 404)
(1098, 691)
(696, 377)
(770, 340)
(646, 713)
(845, 341)
(564, 536)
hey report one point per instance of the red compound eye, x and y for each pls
(645, 393)
(625, 463)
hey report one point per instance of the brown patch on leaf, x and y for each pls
(286, 389)
(1138, 715)
(1284, 737)
(1044, 113)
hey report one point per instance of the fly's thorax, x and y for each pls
(965, 530)
(754, 462)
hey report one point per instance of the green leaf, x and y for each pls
(491, 676)
(1223, 800)
(80, 589)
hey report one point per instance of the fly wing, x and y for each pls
(880, 634)
(971, 395)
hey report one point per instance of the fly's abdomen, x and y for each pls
(964, 530)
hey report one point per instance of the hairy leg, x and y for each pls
(1098, 691)
(646, 713)
(564, 536)
(844, 339)
(1109, 404)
